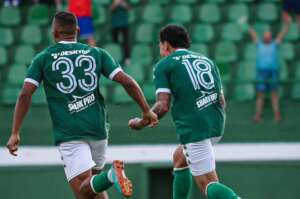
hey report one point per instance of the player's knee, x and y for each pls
(179, 160)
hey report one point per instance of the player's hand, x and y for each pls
(136, 123)
(13, 144)
(151, 118)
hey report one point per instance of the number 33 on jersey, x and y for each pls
(70, 74)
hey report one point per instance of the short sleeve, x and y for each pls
(35, 72)
(109, 66)
(161, 79)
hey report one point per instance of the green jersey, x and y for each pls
(195, 84)
(70, 74)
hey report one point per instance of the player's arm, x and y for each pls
(22, 106)
(135, 92)
(284, 31)
(160, 108)
(253, 34)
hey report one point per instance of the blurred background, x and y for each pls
(129, 31)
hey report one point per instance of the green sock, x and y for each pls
(220, 191)
(182, 183)
(100, 182)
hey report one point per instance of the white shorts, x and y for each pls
(81, 156)
(200, 156)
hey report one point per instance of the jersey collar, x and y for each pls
(181, 49)
(67, 42)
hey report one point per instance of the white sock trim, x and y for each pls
(208, 185)
(91, 184)
(180, 169)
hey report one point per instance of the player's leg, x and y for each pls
(104, 194)
(98, 150)
(274, 85)
(261, 87)
(201, 159)
(115, 174)
(78, 164)
(182, 177)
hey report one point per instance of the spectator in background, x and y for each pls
(82, 9)
(290, 7)
(8, 3)
(120, 25)
(267, 69)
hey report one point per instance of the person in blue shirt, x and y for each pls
(267, 69)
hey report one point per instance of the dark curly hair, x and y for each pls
(176, 35)
(67, 22)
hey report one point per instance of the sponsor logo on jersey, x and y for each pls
(206, 100)
(69, 52)
(81, 103)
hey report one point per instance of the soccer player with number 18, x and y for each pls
(198, 110)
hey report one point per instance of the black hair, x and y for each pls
(176, 35)
(66, 22)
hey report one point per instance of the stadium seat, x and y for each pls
(186, 1)
(225, 52)
(38, 15)
(267, 12)
(10, 95)
(209, 13)
(295, 94)
(115, 51)
(260, 28)
(102, 2)
(136, 71)
(49, 36)
(149, 91)
(286, 51)
(215, 1)
(134, 2)
(153, 13)
(250, 51)
(6, 37)
(244, 1)
(39, 97)
(10, 16)
(160, 2)
(181, 14)
(200, 48)
(16, 75)
(31, 35)
(144, 33)
(23, 54)
(297, 72)
(237, 11)
(231, 32)
(293, 34)
(99, 15)
(244, 92)
(246, 72)
(120, 95)
(141, 54)
(284, 73)
(203, 33)
(3, 56)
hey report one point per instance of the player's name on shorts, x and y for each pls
(189, 56)
(203, 102)
(81, 103)
(69, 52)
